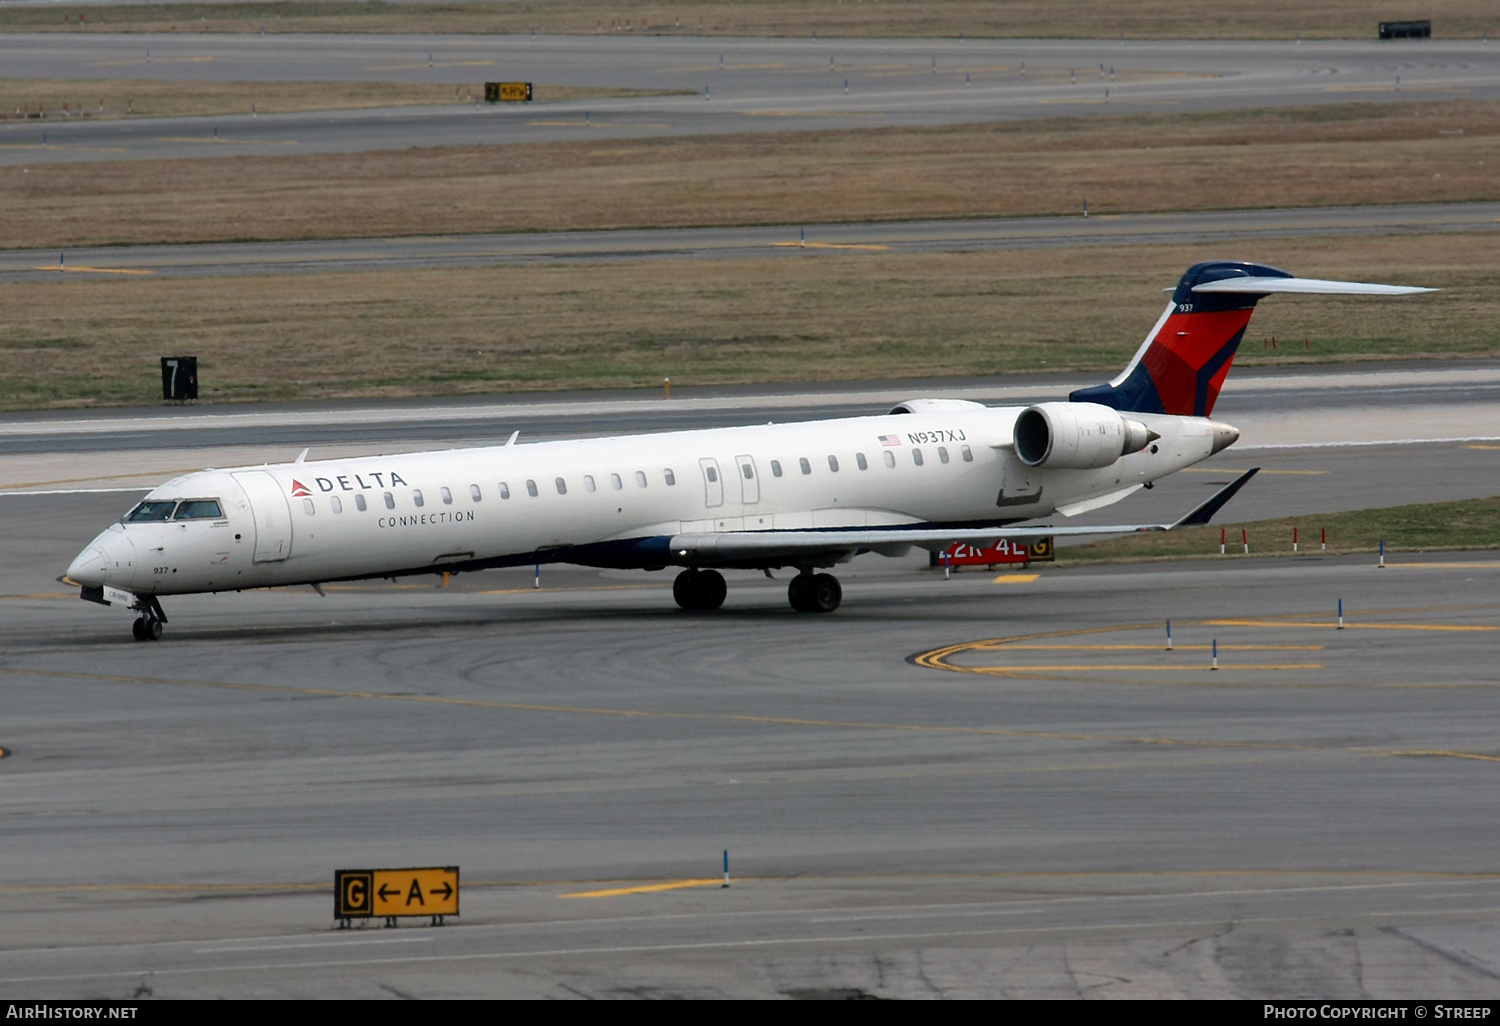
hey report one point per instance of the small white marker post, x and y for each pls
(802, 238)
(538, 581)
(1169, 635)
(1341, 614)
(1215, 666)
(966, 80)
(1245, 540)
(726, 869)
(1382, 555)
(1325, 539)
(846, 87)
(947, 567)
(1294, 539)
(1223, 537)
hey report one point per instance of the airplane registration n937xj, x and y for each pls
(931, 473)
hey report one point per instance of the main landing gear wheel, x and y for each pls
(146, 628)
(699, 591)
(815, 593)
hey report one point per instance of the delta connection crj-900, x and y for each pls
(931, 473)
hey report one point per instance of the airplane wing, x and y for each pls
(733, 546)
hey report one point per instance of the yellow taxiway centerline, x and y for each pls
(1331, 625)
(674, 885)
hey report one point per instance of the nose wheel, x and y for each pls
(815, 593)
(699, 591)
(146, 628)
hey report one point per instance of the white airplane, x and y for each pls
(931, 473)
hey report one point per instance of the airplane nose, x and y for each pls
(107, 559)
(90, 568)
(1224, 436)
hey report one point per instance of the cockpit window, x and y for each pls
(152, 509)
(198, 509)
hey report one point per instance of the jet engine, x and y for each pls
(1077, 436)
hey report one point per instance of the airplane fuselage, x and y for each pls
(616, 501)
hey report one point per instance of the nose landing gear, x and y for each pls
(815, 593)
(699, 591)
(148, 626)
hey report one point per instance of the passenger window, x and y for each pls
(504, 490)
(562, 487)
(671, 477)
(713, 475)
(916, 456)
(447, 495)
(531, 488)
(416, 497)
(806, 466)
(198, 509)
(942, 454)
(474, 493)
(151, 510)
(775, 468)
(833, 464)
(588, 482)
(308, 507)
(640, 478)
(890, 458)
(615, 482)
(859, 459)
(748, 470)
(359, 503)
(390, 501)
(967, 454)
(338, 507)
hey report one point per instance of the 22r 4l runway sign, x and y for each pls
(392, 893)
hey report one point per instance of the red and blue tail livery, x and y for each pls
(1181, 366)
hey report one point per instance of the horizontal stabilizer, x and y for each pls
(1205, 512)
(1306, 287)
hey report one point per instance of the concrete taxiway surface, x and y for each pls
(212, 260)
(999, 784)
(994, 785)
(735, 85)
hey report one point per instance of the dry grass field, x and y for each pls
(118, 98)
(1430, 527)
(1137, 19)
(792, 315)
(1347, 154)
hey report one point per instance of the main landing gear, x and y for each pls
(699, 591)
(814, 593)
(148, 626)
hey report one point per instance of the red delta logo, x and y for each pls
(299, 489)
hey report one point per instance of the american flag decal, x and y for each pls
(890, 439)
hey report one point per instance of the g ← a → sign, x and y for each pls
(391, 893)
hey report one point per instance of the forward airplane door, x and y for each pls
(713, 483)
(273, 517)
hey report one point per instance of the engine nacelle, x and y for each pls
(934, 405)
(1077, 436)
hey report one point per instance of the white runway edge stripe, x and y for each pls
(1367, 444)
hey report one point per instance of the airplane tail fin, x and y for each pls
(1181, 366)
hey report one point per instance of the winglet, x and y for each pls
(1205, 512)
